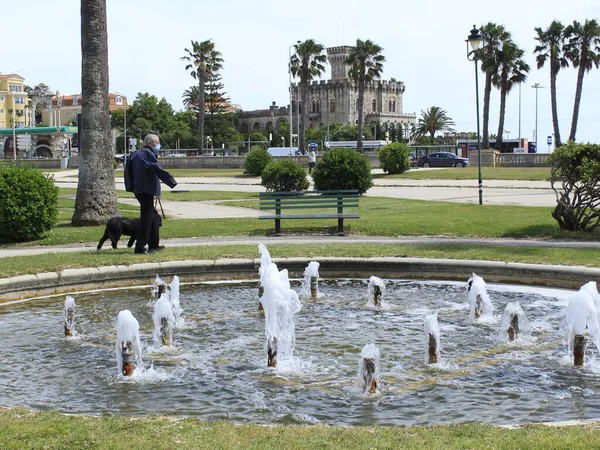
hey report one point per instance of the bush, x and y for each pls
(343, 168)
(394, 158)
(284, 176)
(576, 182)
(28, 204)
(257, 159)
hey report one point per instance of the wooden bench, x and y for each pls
(319, 205)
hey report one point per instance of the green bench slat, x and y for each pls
(311, 216)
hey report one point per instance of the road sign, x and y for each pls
(313, 144)
(24, 141)
(549, 140)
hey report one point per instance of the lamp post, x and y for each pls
(474, 43)
(536, 86)
(125, 147)
(290, 74)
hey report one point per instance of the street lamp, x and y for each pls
(124, 124)
(474, 43)
(290, 74)
(536, 86)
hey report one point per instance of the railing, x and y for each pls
(493, 158)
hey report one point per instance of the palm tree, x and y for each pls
(551, 43)
(306, 63)
(512, 70)
(203, 60)
(96, 199)
(494, 35)
(366, 64)
(583, 50)
(191, 97)
(433, 119)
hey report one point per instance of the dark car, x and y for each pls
(442, 159)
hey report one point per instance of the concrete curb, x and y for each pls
(78, 280)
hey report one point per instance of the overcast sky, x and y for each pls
(423, 42)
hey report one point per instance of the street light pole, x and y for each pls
(536, 86)
(474, 42)
(290, 74)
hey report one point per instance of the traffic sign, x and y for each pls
(549, 140)
(24, 141)
(313, 144)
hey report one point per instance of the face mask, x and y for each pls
(156, 148)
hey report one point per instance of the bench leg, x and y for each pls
(340, 227)
(277, 226)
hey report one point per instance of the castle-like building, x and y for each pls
(335, 101)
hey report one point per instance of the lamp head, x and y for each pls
(475, 39)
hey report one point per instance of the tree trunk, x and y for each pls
(487, 91)
(501, 116)
(201, 113)
(359, 109)
(578, 91)
(553, 74)
(303, 87)
(96, 199)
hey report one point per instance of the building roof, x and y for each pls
(11, 75)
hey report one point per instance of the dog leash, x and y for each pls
(157, 200)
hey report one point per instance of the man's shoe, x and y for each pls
(158, 249)
(140, 251)
(151, 251)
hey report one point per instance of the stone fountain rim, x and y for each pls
(68, 281)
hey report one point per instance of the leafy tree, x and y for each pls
(96, 199)
(257, 159)
(583, 50)
(512, 69)
(191, 97)
(550, 47)
(576, 182)
(203, 61)
(306, 63)
(366, 64)
(494, 35)
(432, 120)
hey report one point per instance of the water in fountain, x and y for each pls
(592, 289)
(581, 314)
(128, 347)
(280, 303)
(164, 321)
(480, 305)
(375, 291)
(310, 282)
(368, 369)
(158, 288)
(175, 305)
(515, 326)
(432, 339)
(265, 260)
(69, 316)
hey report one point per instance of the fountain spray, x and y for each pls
(432, 339)
(158, 288)
(174, 299)
(514, 323)
(69, 316)
(368, 368)
(310, 282)
(480, 304)
(164, 321)
(375, 291)
(265, 260)
(581, 314)
(128, 346)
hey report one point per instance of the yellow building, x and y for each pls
(13, 101)
(66, 108)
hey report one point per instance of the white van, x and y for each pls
(282, 151)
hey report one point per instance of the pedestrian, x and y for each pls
(147, 175)
(312, 160)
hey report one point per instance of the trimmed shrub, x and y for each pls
(257, 159)
(394, 158)
(284, 176)
(343, 168)
(28, 204)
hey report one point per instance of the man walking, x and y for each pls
(147, 175)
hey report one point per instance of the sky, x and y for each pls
(423, 41)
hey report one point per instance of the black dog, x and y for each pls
(117, 226)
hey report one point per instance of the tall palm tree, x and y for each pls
(366, 64)
(191, 97)
(203, 60)
(583, 50)
(550, 47)
(96, 199)
(306, 63)
(512, 70)
(432, 120)
(494, 35)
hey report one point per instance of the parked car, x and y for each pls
(175, 155)
(442, 159)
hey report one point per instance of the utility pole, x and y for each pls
(536, 86)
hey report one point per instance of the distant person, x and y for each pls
(147, 175)
(312, 160)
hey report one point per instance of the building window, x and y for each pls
(19, 100)
(15, 88)
(119, 100)
(392, 106)
(1, 99)
(314, 106)
(68, 116)
(332, 105)
(1, 110)
(75, 100)
(374, 105)
(59, 102)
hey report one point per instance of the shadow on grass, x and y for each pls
(545, 231)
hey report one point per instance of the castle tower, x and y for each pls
(337, 60)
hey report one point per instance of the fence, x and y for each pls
(493, 158)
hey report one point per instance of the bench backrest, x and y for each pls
(340, 199)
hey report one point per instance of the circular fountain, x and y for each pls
(216, 367)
